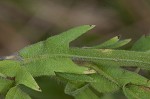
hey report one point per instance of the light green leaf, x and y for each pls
(136, 91)
(143, 44)
(54, 56)
(16, 93)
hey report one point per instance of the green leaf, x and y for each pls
(16, 93)
(55, 51)
(41, 58)
(136, 91)
(5, 85)
(53, 62)
(54, 56)
(143, 44)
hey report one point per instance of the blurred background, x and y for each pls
(23, 22)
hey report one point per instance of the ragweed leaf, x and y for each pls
(55, 56)
(44, 60)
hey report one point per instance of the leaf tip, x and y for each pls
(92, 26)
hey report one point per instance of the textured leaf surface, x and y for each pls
(16, 93)
(53, 57)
